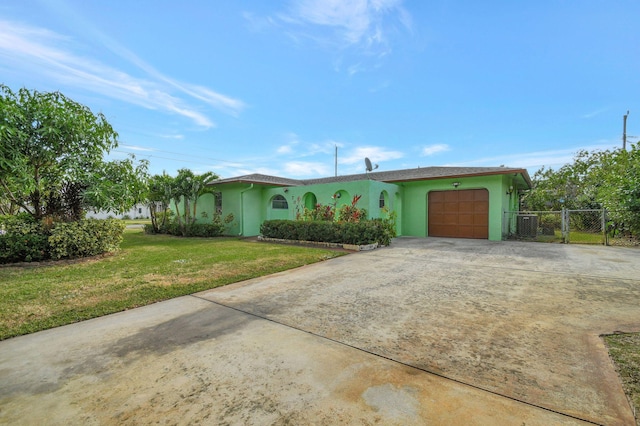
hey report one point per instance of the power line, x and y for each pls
(185, 155)
(165, 158)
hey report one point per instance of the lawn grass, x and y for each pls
(624, 350)
(575, 237)
(137, 221)
(579, 237)
(147, 269)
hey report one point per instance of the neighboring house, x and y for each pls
(136, 212)
(463, 202)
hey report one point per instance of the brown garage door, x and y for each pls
(459, 214)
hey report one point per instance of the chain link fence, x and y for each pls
(568, 226)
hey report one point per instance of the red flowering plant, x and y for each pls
(350, 212)
(319, 212)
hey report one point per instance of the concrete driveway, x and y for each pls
(427, 331)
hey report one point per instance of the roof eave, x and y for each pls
(522, 172)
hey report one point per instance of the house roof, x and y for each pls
(259, 179)
(405, 175)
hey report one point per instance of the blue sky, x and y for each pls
(273, 87)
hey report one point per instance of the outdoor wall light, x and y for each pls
(456, 184)
(337, 195)
(286, 190)
(510, 190)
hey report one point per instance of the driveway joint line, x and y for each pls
(424, 370)
(573, 274)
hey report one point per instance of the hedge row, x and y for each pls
(23, 239)
(87, 237)
(360, 233)
(192, 230)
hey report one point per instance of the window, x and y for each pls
(382, 199)
(279, 202)
(218, 202)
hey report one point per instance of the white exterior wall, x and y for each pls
(139, 210)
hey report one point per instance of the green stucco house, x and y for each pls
(459, 202)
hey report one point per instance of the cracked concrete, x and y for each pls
(427, 331)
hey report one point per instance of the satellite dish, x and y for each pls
(368, 165)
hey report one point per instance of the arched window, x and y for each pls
(310, 200)
(279, 202)
(218, 202)
(382, 203)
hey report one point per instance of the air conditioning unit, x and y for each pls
(527, 225)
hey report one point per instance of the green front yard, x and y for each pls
(147, 269)
(151, 268)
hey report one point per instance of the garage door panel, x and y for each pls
(450, 229)
(464, 231)
(481, 194)
(436, 209)
(466, 219)
(450, 196)
(466, 207)
(450, 208)
(437, 219)
(465, 195)
(438, 196)
(480, 207)
(480, 220)
(459, 213)
(480, 232)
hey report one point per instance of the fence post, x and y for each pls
(565, 226)
(605, 235)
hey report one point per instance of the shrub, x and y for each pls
(214, 229)
(205, 230)
(359, 233)
(23, 248)
(350, 212)
(319, 212)
(87, 237)
(22, 239)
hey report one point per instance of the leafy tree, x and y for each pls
(618, 188)
(159, 191)
(187, 188)
(117, 185)
(51, 158)
(568, 187)
(609, 179)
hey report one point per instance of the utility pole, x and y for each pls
(624, 131)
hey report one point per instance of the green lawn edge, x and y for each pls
(624, 350)
(147, 269)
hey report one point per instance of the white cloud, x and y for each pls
(346, 23)
(172, 136)
(595, 113)
(537, 159)
(374, 153)
(299, 148)
(350, 17)
(258, 23)
(306, 168)
(136, 148)
(30, 49)
(434, 149)
(325, 147)
(285, 149)
(288, 147)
